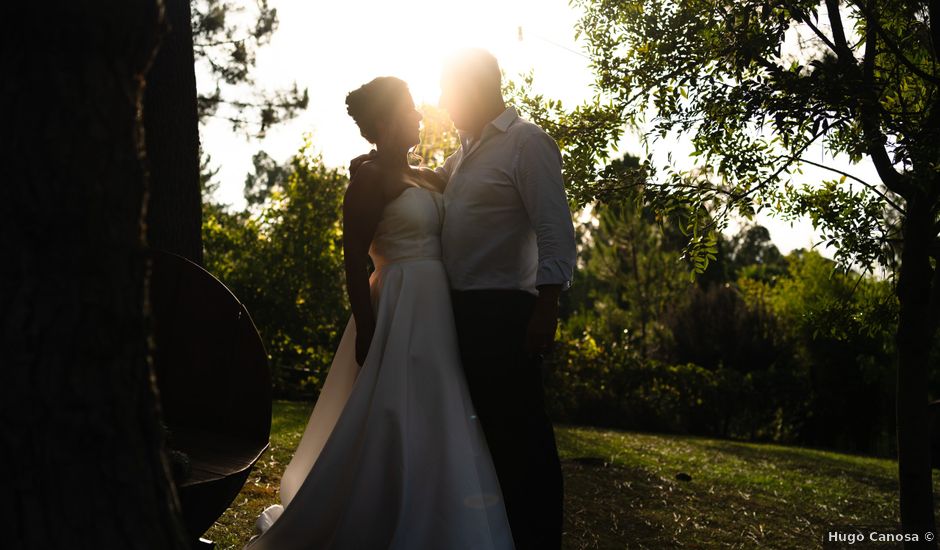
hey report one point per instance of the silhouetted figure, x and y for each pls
(509, 249)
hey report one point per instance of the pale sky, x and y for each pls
(333, 47)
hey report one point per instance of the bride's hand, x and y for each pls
(363, 341)
(432, 178)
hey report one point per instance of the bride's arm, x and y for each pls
(362, 208)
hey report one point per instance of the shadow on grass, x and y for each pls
(619, 507)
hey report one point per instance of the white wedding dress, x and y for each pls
(393, 455)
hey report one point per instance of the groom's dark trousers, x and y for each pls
(507, 392)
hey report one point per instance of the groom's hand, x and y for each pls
(355, 163)
(540, 336)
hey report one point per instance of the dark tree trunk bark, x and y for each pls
(79, 421)
(914, 337)
(174, 216)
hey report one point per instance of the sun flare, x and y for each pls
(332, 48)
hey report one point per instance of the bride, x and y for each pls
(393, 455)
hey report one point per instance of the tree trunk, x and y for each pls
(174, 215)
(79, 428)
(914, 337)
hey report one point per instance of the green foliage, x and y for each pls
(631, 275)
(754, 84)
(850, 220)
(585, 134)
(840, 330)
(767, 347)
(818, 300)
(268, 177)
(751, 254)
(283, 258)
(603, 385)
(641, 347)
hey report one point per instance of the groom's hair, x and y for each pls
(374, 101)
(475, 67)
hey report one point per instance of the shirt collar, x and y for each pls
(505, 119)
(500, 123)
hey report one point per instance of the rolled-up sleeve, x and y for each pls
(542, 190)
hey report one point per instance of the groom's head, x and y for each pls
(471, 89)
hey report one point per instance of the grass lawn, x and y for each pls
(622, 492)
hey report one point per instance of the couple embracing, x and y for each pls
(430, 431)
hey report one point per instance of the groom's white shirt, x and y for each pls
(507, 224)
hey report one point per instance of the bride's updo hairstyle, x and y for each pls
(375, 101)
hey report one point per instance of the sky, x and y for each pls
(333, 47)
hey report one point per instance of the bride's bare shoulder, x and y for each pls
(366, 187)
(367, 171)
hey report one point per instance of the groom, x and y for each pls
(509, 250)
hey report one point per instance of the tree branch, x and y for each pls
(718, 190)
(633, 184)
(861, 276)
(871, 18)
(838, 33)
(219, 43)
(871, 187)
(868, 113)
(727, 206)
(777, 173)
(285, 103)
(822, 36)
(869, 104)
(801, 17)
(933, 79)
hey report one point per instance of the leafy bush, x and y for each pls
(798, 352)
(282, 257)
